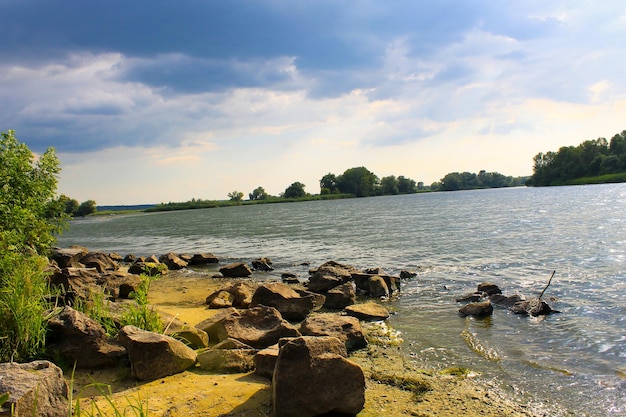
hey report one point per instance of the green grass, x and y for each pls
(23, 286)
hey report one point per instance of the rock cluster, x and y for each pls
(274, 329)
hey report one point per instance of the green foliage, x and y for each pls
(358, 181)
(141, 314)
(259, 193)
(23, 286)
(468, 181)
(295, 190)
(134, 407)
(29, 213)
(86, 208)
(235, 196)
(593, 159)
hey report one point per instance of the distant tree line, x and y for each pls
(592, 158)
(455, 181)
(361, 182)
(72, 208)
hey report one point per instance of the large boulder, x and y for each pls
(100, 261)
(153, 356)
(376, 284)
(265, 361)
(370, 311)
(262, 264)
(312, 377)
(82, 341)
(237, 295)
(258, 327)
(291, 305)
(345, 328)
(236, 270)
(228, 356)
(151, 268)
(340, 297)
(172, 261)
(120, 284)
(488, 288)
(35, 389)
(330, 275)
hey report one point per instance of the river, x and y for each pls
(571, 363)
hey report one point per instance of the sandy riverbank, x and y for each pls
(394, 386)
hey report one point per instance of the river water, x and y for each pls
(572, 363)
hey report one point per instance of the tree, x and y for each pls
(389, 185)
(235, 196)
(328, 184)
(358, 181)
(29, 213)
(86, 208)
(295, 190)
(407, 185)
(258, 194)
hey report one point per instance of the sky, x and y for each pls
(157, 101)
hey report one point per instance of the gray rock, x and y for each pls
(481, 309)
(35, 389)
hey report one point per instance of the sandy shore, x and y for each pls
(394, 387)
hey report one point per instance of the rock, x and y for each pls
(404, 274)
(489, 288)
(372, 285)
(203, 259)
(236, 270)
(228, 361)
(83, 341)
(149, 268)
(35, 389)
(100, 261)
(190, 335)
(368, 311)
(481, 309)
(265, 361)
(502, 300)
(534, 307)
(236, 295)
(291, 305)
(120, 284)
(153, 356)
(116, 257)
(378, 287)
(68, 257)
(289, 278)
(220, 299)
(82, 281)
(340, 297)
(262, 264)
(312, 377)
(172, 261)
(329, 275)
(345, 328)
(130, 258)
(470, 297)
(258, 327)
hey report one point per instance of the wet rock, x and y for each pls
(153, 356)
(236, 270)
(470, 297)
(404, 274)
(534, 307)
(481, 309)
(35, 389)
(172, 261)
(368, 311)
(488, 288)
(262, 264)
(312, 378)
(203, 259)
(376, 285)
(83, 341)
(503, 300)
(340, 297)
(289, 278)
(330, 275)
(345, 328)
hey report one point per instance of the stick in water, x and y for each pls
(550, 281)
